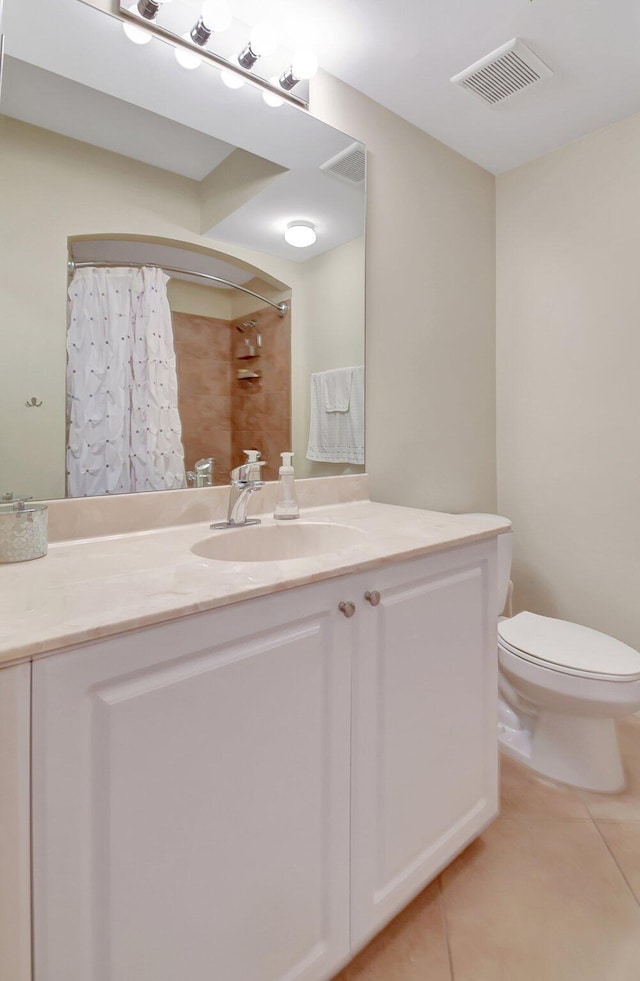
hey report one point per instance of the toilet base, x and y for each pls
(576, 750)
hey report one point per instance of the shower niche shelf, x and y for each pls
(248, 374)
(250, 345)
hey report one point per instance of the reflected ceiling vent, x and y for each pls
(503, 73)
(348, 165)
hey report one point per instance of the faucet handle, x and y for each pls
(253, 465)
(202, 473)
(250, 470)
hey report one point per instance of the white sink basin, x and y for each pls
(275, 543)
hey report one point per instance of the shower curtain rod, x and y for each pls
(282, 308)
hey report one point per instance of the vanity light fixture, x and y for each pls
(271, 98)
(215, 17)
(263, 42)
(185, 58)
(141, 22)
(231, 79)
(149, 8)
(137, 35)
(146, 9)
(304, 65)
(300, 233)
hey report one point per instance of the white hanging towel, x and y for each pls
(336, 389)
(337, 436)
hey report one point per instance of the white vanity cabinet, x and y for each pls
(424, 757)
(248, 794)
(15, 845)
(191, 798)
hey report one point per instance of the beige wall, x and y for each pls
(334, 298)
(568, 356)
(430, 301)
(202, 301)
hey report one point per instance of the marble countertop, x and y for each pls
(87, 589)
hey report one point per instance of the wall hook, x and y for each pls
(33, 403)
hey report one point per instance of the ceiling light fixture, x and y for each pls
(263, 42)
(301, 234)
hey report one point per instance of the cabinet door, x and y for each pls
(191, 798)
(15, 844)
(424, 779)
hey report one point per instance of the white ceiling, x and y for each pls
(403, 54)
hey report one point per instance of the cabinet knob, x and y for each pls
(372, 597)
(347, 608)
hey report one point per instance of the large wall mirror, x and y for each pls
(115, 157)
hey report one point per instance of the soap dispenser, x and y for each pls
(287, 505)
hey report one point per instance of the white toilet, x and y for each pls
(561, 688)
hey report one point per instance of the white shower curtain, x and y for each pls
(122, 390)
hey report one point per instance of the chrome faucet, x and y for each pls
(245, 481)
(202, 473)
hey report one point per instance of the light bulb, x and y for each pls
(231, 80)
(271, 99)
(304, 63)
(300, 233)
(263, 40)
(136, 34)
(216, 15)
(187, 59)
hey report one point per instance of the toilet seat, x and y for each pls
(568, 648)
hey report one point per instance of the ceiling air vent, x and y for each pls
(348, 165)
(503, 73)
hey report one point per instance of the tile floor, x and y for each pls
(550, 892)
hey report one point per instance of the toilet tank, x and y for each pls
(505, 554)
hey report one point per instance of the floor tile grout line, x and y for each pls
(590, 818)
(445, 929)
(613, 857)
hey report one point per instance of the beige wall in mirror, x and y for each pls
(62, 188)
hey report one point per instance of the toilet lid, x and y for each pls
(559, 644)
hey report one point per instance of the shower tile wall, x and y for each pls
(221, 415)
(204, 367)
(261, 412)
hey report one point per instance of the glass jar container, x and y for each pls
(23, 531)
